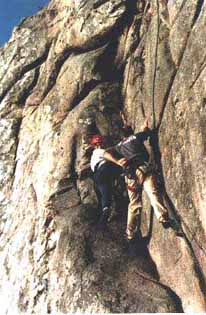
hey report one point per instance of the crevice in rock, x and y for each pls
(202, 67)
(173, 212)
(166, 97)
(118, 28)
(61, 191)
(54, 74)
(26, 69)
(9, 62)
(170, 292)
(127, 20)
(16, 127)
(197, 12)
(46, 251)
(197, 268)
(106, 66)
(89, 86)
(21, 96)
(109, 73)
(184, 49)
(179, 12)
(27, 92)
(65, 185)
(200, 246)
(106, 63)
(156, 154)
(99, 4)
(131, 10)
(4, 115)
(37, 296)
(116, 7)
(72, 170)
(137, 49)
(172, 79)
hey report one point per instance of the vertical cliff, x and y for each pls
(73, 67)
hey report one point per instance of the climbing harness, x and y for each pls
(129, 170)
(131, 165)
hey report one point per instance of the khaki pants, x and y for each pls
(134, 188)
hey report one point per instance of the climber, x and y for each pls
(139, 175)
(104, 174)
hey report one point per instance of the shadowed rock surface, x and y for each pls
(66, 72)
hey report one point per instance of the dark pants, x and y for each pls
(103, 178)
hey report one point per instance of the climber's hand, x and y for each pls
(145, 125)
(122, 162)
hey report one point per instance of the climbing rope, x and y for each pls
(155, 66)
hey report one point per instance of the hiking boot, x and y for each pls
(104, 217)
(113, 215)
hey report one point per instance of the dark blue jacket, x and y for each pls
(133, 147)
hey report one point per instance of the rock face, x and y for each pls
(66, 71)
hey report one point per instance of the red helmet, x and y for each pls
(97, 139)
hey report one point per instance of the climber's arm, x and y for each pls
(108, 156)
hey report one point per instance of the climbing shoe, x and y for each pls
(165, 220)
(130, 233)
(176, 226)
(130, 246)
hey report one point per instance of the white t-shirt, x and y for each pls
(97, 158)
